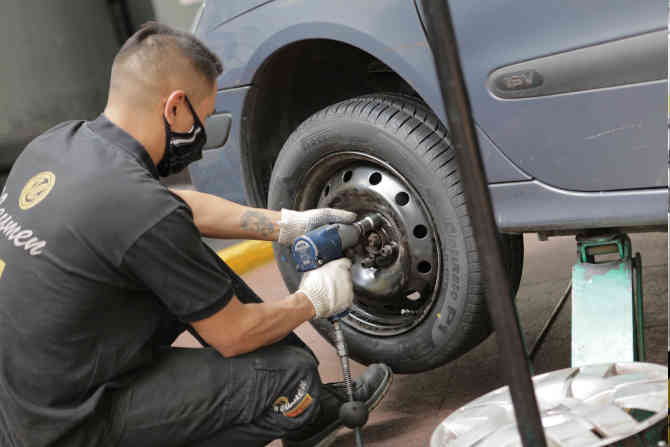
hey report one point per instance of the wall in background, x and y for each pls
(177, 13)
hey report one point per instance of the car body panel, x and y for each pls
(219, 171)
(247, 41)
(535, 207)
(568, 148)
(243, 46)
(499, 169)
(594, 141)
(578, 141)
(630, 60)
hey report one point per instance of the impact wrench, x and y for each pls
(310, 251)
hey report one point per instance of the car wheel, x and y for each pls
(421, 304)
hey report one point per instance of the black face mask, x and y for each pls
(182, 148)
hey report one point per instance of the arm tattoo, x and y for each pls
(254, 220)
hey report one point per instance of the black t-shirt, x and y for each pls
(99, 264)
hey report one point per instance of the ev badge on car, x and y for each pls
(520, 80)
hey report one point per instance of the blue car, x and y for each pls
(337, 103)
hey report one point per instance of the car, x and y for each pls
(337, 104)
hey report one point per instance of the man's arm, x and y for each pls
(220, 218)
(171, 260)
(239, 327)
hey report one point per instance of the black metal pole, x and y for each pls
(550, 323)
(516, 368)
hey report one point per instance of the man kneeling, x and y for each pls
(101, 267)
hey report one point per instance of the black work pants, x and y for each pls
(198, 398)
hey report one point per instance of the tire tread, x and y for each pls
(409, 118)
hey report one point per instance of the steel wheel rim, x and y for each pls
(363, 183)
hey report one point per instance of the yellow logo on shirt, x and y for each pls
(36, 189)
(2, 267)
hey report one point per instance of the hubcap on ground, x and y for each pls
(396, 270)
(592, 406)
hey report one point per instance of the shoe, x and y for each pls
(369, 388)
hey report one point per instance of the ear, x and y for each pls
(174, 101)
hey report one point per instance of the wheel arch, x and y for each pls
(302, 77)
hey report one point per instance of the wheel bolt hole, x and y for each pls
(375, 178)
(424, 267)
(326, 191)
(413, 295)
(420, 231)
(402, 198)
(347, 176)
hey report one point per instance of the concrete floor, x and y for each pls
(417, 403)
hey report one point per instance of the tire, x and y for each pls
(400, 139)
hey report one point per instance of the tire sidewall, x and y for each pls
(436, 339)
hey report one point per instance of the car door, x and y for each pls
(573, 92)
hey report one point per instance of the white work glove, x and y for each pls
(296, 223)
(329, 288)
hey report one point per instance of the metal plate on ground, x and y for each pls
(595, 405)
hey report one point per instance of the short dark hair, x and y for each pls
(203, 60)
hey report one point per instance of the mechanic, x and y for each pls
(101, 267)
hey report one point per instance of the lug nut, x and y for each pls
(367, 262)
(374, 241)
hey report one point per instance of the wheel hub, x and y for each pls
(396, 270)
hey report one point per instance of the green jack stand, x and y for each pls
(607, 308)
